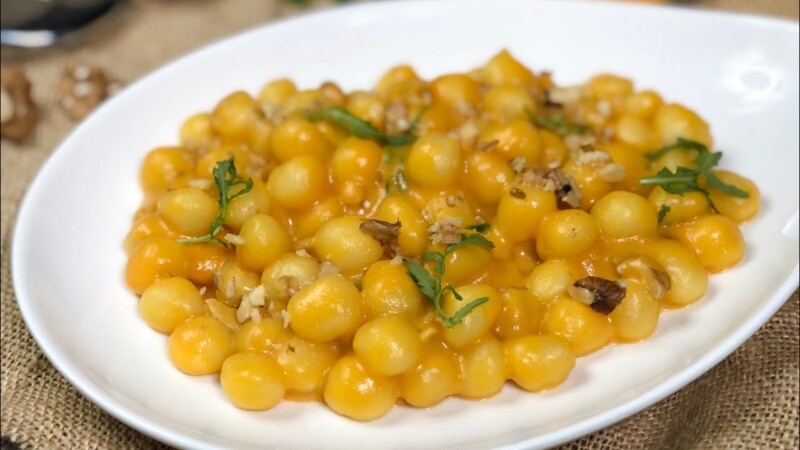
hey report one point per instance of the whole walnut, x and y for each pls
(82, 87)
(18, 113)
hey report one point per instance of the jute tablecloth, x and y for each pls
(749, 401)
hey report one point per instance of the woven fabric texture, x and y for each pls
(749, 401)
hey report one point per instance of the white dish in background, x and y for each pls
(738, 72)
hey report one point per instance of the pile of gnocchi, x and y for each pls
(426, 238)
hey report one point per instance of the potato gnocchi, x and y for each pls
(426, 238)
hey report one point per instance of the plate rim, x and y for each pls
(110, 405)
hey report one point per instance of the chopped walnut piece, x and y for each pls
(333, 92)
(18, 113)
(537, 177)
(465, 109)
(604, 109)
(82, 87)
(588, 155)
(569, 196)
(256, 297)
(250, 302)
(517, 193)
(600, 294)
(517, 164)
(395, 117)
(279, 347)
(487, 146)
(646, 272)
(467, 133)
(605, 133)
(230, 289)
(612, 172)
(445, 231)
(582, 295)
(426, 96)
(386, 233)
(440, 205)
(234, 239)
(243, 312)
(328, 268)
(289, 285)
(312, 106)
(200, 183)
(591, 157)
(223, 313)
(564, 95)
(272, 111)
(579, 142)
(216, 276)
(567, 191)
(286, 318)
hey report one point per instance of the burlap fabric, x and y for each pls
(749, 401)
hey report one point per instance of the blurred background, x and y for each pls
(66, 24)
(62, 58)
(118, 41)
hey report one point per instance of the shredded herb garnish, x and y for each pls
(480, 227)
(685, 180)
(466, 239)
(662, 212)
(680, 143)
(431, 285)
(225, 177)
(557, 124)
(362, 128)
(715, 183)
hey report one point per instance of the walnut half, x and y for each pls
(600, 294)
(18, 113)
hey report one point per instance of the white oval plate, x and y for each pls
(740, 73)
